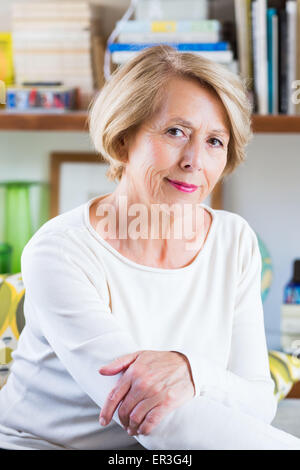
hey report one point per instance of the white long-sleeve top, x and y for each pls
(86, 304)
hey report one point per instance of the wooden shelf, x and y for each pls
(77, 121)
(71, 121)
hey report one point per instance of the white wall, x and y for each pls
(265, 190)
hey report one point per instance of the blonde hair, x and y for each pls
(135, 91)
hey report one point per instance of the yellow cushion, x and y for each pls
(11, 319)
(285, 371)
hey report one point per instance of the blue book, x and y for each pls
(270, 13)
(216, 46)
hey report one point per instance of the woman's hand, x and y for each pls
(153, 384)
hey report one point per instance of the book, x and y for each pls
(244, 40)
(290, 327)
(189, 47)
(271, 13)
(2, 93)
(291, 10)
(184, 37)
(52, 42)
(6, 58)
(297, 108)
(283, 91)
(259, 38)
(144, 26)
(275, 71)
(222, 57)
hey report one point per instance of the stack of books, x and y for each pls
(290, 314)
(52, 43)
(268, 32)
(201, 37)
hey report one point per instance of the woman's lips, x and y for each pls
(181, 186)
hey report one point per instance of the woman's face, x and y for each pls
(185, 141)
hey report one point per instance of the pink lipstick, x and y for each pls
(181, 186)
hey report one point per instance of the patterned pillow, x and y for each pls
(11, 319)
(285, 371)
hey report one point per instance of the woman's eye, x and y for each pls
(174, 129)
(217, 140)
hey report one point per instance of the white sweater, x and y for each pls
(86, 304)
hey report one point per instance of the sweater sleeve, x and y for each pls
(78, 325)
(246, 384)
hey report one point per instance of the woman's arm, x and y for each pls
(81, 330)
(246, 385)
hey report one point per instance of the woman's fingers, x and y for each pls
(152, 419)
(135, 396)
(139, 413)
(118, 364)
(113, 399)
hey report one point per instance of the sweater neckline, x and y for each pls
(143, 267)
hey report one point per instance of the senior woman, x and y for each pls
(164, 334)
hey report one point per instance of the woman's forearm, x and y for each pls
(204, 424)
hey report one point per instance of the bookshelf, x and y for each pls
(76, 121)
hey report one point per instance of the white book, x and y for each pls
(60, 25)
(134, 38)
(291, 9)
(262, 58)
(242, 33)
(49, 9)
(47, 35)
(222, 57)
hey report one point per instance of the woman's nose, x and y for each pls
(192, 159)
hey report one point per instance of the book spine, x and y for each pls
(219, 46)
(262, 57)
(275, 52)
(135, 26)
(249, 40)
(298, 50)
(222, 57)
(254, 49)
(283, 105)
(270, 13)
(240, 22)
(134, 38)
(291, 9)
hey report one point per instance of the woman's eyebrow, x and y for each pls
(189, 124)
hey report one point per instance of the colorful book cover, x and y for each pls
(6, 59)
(144, 26)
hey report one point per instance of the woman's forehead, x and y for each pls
(190, 106)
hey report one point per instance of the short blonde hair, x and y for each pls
(134, 93)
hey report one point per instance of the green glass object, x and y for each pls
(5, 258)
(18, 220)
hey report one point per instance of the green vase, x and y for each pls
(18, 221)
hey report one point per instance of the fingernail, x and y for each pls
(129, 431)
(138, 431)
(102, 421)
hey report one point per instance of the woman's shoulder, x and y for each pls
(232, 222)
(59, 231)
